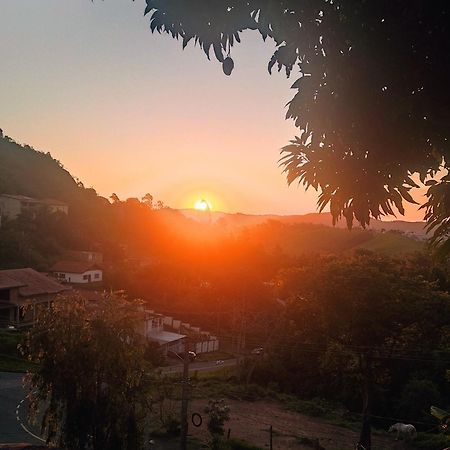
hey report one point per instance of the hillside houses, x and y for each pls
(22, 292)
(153, 330)
(177, 336)
(13, 205)
(77, 272)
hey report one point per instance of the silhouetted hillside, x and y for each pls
(141, 230)
(26, 171)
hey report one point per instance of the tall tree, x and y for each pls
(350, 317)
(371, 98)
(91, 381)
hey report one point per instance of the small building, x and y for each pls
(22, 292)
(167, 340)
(77, 272)
(12, 205)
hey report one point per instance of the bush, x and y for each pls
(316, 407)
(172, 426)
(416, 398)
(425, 441)
(236, 444)
(9, 342)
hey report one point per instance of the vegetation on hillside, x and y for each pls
(319, 300)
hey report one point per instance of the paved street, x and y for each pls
(11, 394)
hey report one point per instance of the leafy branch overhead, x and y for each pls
(371, 94)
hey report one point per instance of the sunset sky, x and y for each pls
(130, 112)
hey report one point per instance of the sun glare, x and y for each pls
(202, 205)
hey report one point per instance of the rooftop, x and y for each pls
(41, 201)
(165, 337)
(74, 266)
(29, 282)
(7, 282)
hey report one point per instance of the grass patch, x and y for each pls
(11, 364)
(237, 444)
(9, 340)
(213, 356)
(227, 386)
(313, 443)
(316, 407)
(426, 441)
(224, 373)
(10, 359)
(221, 443)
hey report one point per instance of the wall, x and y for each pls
(10, 207)
(177, 346)
(79, 277)
(207, 346)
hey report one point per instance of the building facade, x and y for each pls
(22, 293)
(77, 272)
(167, 340)
(12, 205)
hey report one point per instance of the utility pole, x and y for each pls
(184, 401)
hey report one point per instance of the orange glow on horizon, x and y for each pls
(202, 205)
(201, 197)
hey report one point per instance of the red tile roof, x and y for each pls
(30, 282)
(74, 266)
(7, 282)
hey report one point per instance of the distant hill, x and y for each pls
(238, 220)
(97, 224)
(26, 171)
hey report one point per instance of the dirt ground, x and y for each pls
(250, 421)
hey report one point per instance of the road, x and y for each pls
(13, 408)
(11, 396)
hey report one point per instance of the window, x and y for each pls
(97, 275)
(85, 277)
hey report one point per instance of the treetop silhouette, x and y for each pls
(371, 100)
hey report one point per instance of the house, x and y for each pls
(167, 340)
(12, 205)
(77, 272)
(21, 288)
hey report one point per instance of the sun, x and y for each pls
(202, 205)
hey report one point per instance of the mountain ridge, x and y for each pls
(232, 220)
(27, 171)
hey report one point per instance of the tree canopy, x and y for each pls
(92, 379)
(364, 330)
(371, 99)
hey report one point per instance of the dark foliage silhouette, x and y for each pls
(371, 100)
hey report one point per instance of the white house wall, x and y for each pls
(79, 277)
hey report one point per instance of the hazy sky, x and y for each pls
(130, 112)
